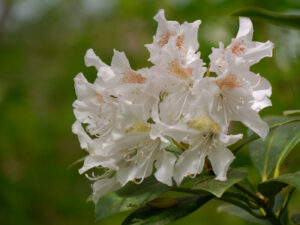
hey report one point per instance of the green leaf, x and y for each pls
(163, 202)
(253, 136)
(216, 187)
(284, 217)
(296, 219)
(273, 186)
(131, 196)
(270, 153)
(241, 213)
(278, 202)
(174, 147)
(148, 215)
(269, 16)
(292, 179)
(271, 189)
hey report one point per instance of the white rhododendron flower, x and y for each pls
(126, 119)
(185, 36)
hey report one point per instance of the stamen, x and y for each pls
(93, 177)
(258, 82)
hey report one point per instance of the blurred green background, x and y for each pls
(42, 45)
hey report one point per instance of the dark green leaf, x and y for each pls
(292, 179)
(278, 202)
(246, 183)
(284, 217)
(273, 186)
(163, 202)
(269, 16)
(270, 153)
(241, 213)
(216, 187)
(131, 196)
(271, 189)
(148, 215)
(296, 219)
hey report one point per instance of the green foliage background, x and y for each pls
(42, 44)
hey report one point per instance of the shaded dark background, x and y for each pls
(42, 45)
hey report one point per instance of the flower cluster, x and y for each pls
(126, 119)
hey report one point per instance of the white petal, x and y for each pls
(190, 162)
(228, 140)
(80, 111)
(165, 167)
(190, 35)
(257, 51)
(91, 59)
(245, 29)
(218, 63)
(252, 120)
(119, 62)
(221, 159)
(92, 161)
(164, 25)
(261, 104)
(260, 86)
(107, 74)
(126, 174)
(103, 186)
(83, 88)
(84, 139)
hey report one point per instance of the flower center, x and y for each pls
(228, 82)
(238, 47)
(133, 77)
(179, 41)
(138, 126)
(204, 123)
(180, 72)
(165, 38)
(99, 98)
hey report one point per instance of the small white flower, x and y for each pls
(231, 98)
(246, 51)
(94, 106)
(203, 136)
(213, 145)
(185, 36)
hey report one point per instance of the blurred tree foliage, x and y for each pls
(42, 44)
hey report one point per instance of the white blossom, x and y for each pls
(127, 118)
